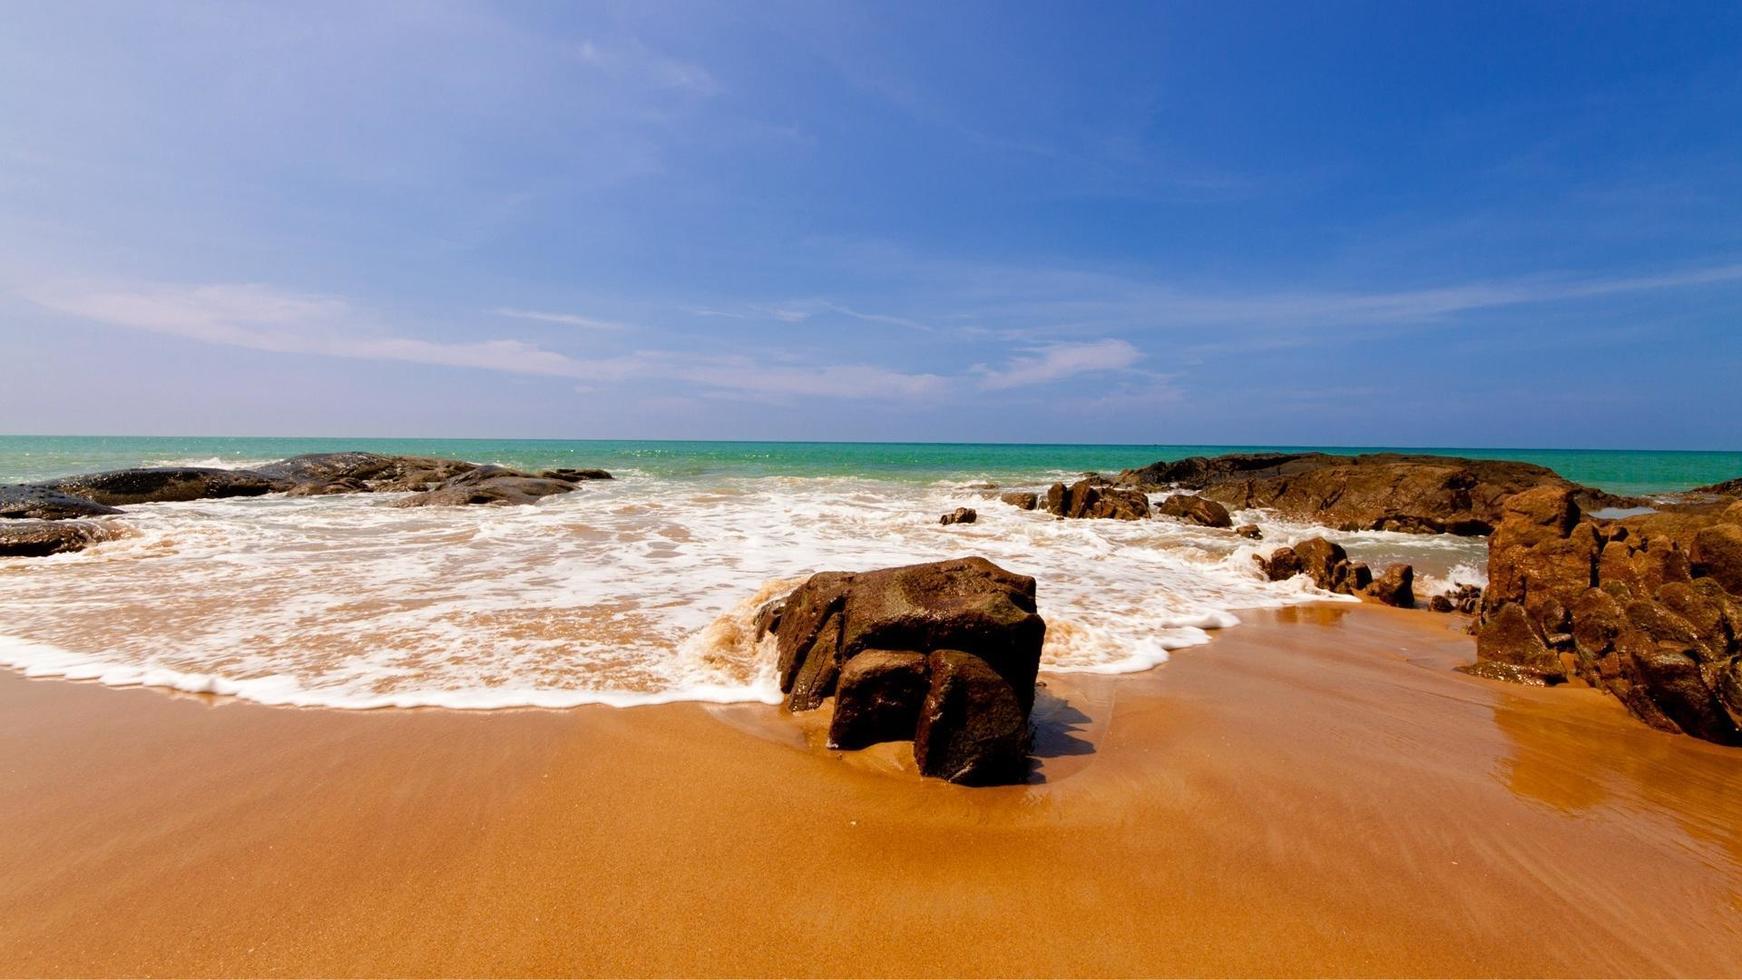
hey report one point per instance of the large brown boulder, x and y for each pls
(25, 501)
(968, 606)
(1394, 587)
(972, 729)
(1021, 499)
(1377, 491)
(1193, 509)
(161, 484)
(1643, 607)
(1087, 498)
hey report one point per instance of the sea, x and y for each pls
(641, 589)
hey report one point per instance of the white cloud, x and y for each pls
(1053, 362)
(259, 317)
(566, 319)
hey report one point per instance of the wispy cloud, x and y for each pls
(260, 317)
(1054, 362)
(631, 59)
(566, 319)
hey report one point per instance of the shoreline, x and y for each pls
(1315, 791)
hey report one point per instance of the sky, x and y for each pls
(1461, 224)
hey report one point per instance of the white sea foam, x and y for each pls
(211, 462)
(635, 591)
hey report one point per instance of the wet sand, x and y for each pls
(1314, 792)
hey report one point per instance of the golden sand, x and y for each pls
(1315, 792)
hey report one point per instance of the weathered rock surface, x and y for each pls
(972, 729)
(162, 484)
(1395, 587)
(878, 698)
(1463, 599)
(488, 485)
(1193, 509)
(38, 539)
(1643, 607)
(961, 515)
(1087, 498)
(1021, 499)
(25, 501)
(1250, 531)
(1325, 562)
(1379, 491)
(983, 615)
(314, 473)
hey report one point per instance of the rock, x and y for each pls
(1637, 607)
(878, 698)
(1086, 498)
(1463, 598)
(1249, 531)
(1357, 578)
(1729, 488)
(983, 615)
(576, 476)
(162, 484)
(973, 729)
(1378, 491)
(1441, 604)
(39, 539)
(961, 515)
(1282, 564)
(488, 485)
(768, 618)
(1395, 587)
(317, 474)
(24, 501)
(1193, 509)
(1021, 500)
(1717, 554)
(1508, 647)
(1325, 562)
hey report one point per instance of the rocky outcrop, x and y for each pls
(1465, 599)
(1394, 587)
(1021, 499)
(25, 501)
(315, 474)
(1087, 498)
(961, 515)
(38, 539)
(1378, 491)
(488, 485)
(944, 653)
(1193, 509)
(1325, 562)
(162, 484)
(1643, 607)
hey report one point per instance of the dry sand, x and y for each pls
(1315, 792)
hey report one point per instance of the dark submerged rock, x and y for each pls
(39, 539)
(961, 515)
(488, 485)
(163, 484)
(26, 501)
(1250, 531)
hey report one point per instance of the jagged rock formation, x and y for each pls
(943, 653)
(961, 515)
(1378, 491)
(1192, 509)
(1645, 608)
(1089, 498)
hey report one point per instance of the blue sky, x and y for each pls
(1408, 224)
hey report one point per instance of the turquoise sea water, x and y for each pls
(37, 457)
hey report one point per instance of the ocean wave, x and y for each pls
(630, 592)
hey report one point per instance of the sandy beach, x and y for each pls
(1315, 792)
